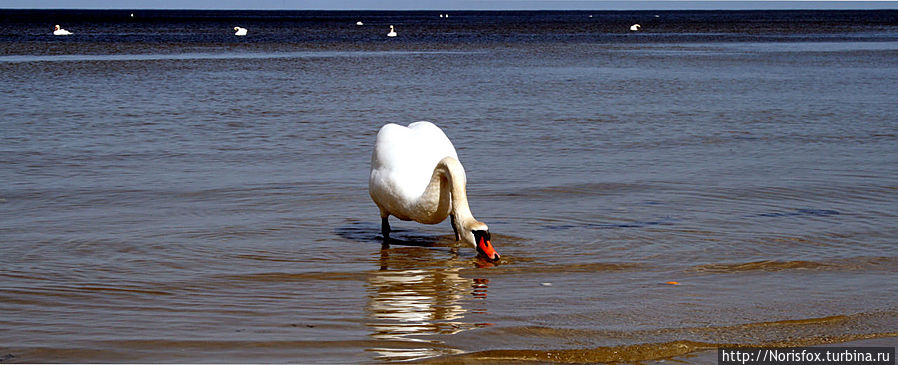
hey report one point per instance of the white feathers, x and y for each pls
(59, 31)
(404, 159)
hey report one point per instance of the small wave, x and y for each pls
(577, 190)
(852, 264)
(280, 277)
(802, 212)
(664, 221)
(571, 268)
(210, 56)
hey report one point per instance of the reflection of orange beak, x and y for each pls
(487, 249)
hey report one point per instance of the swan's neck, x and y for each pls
(449, 176)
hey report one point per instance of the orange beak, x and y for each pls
(487, 249)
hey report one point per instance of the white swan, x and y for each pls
(60, 31)
(240, 31)
(635, 27)
(392, 32)
(416, 175)
(359, 23)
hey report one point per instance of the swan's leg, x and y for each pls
(452, 221)
(385, 227)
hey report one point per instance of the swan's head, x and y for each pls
(477, 234)
(236, 28)
(56, 27)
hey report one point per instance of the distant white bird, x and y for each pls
(416, 175)
(240, 31)
(359, 23)
(635, 27)
(441, 15)
(60, 31)
(392, 32)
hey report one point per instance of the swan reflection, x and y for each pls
(414, 299)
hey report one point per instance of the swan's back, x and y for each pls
(404, 159)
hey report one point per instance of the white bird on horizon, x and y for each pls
(59, 31)
(240, 31)
(635, 27)
(392, 32)
(359, 23)
(416, 176)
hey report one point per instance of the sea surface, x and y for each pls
(172, 193)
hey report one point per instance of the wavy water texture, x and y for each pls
(171, 193)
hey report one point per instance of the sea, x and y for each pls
(170, 192)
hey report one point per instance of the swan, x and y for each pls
(392, 32)
(416, 176)
(60, 31)
(240, 31)
(359, 23)
(635, 27)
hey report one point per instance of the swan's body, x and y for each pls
(416, 175)
(392, 32)
(635, 27)
(240, 31)
(359, 23)
(59, 31)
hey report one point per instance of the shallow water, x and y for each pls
(182, 196)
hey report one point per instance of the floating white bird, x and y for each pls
(59, 31)
(416, 176)
(441, 15)
(240, 31)
(635, 27)
(392, 32)
(359, 23)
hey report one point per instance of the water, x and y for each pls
(172, 193)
